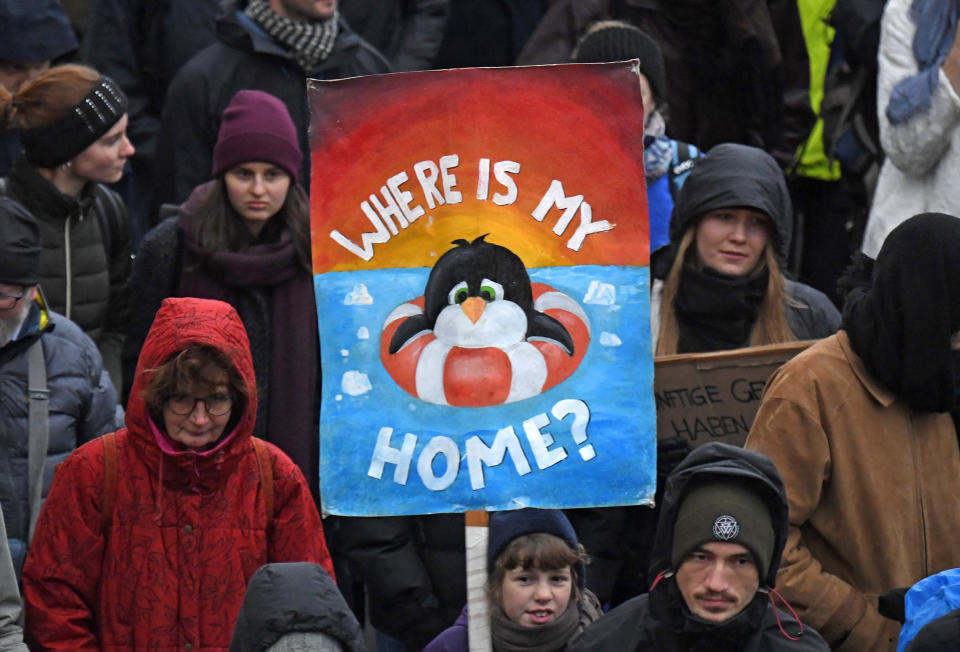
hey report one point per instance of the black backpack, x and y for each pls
(851, 132)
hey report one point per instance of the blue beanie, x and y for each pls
(507, 526)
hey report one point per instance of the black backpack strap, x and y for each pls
(109, 211)
(38, 395)
(109, 481)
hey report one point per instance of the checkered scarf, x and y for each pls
(310, 43)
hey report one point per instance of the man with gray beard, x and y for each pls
(54, 391)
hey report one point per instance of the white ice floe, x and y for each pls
(358, 296)
(609, 339)
(601, 294)
(363, 333)
(355, 383)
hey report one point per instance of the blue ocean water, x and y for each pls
(548, 463)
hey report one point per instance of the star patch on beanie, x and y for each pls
(726, 511)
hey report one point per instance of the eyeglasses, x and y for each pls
(216, 404)
(9, 299)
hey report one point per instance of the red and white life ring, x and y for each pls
(476, 377)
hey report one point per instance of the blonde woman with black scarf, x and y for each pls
(719, 284)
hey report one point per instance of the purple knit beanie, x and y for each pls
(257, 127)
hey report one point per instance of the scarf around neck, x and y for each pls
(310, 43)
(657, 151)
(717, 312)
(936, 22)
(284, 331)
(509, 636)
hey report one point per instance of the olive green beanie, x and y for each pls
(725, 511)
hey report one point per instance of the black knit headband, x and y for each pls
(93, 116)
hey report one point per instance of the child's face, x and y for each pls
(534, 597)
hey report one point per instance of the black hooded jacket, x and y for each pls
(292, 598)
(660, 621)
(723, 309)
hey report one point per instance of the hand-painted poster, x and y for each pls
(480, 247)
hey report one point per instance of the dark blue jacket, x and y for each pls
(82, 405)
(31, 31)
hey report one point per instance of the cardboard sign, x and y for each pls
(704, 397)
(480, 248)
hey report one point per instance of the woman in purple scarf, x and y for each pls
(244, 238)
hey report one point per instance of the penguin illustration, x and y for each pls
(479, 295)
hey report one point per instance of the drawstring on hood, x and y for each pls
(712, 462)
(182, 323)
(773, 592)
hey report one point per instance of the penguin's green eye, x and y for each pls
(490, 290)
(459, 293)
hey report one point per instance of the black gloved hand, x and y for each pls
(670, 452)
(890, 604)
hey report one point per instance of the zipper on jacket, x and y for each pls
(69, 274)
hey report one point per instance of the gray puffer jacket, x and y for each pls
(82, 406)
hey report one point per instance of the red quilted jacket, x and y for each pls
(188, 529)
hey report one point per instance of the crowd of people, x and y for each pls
(158, 448)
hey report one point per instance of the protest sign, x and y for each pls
(480, 248)
(704, 397)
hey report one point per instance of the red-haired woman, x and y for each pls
(72, 124)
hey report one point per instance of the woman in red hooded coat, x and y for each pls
(166, 567)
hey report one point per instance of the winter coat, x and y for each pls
(487, 34)
(82, 406)
(734, 175)
(659, 620)
(873, 490)
(187, 530)
(414, 569)
(408, 33)
(11, 607)
(737, 96)
(296, 597)
(244, 57)
(10, 150)
(85, 263)
(923, 153)
(633, 627)
(141, 44)
(810, 314)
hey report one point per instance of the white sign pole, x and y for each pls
(478, 609)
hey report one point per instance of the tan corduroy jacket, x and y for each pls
(874, 492)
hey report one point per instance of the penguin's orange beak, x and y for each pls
(473, 307)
